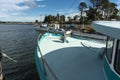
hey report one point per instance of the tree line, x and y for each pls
(54, 19)
(97, 10)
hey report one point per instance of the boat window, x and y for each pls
(117, 58)
(109, 49)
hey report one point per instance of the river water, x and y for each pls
(18, 42)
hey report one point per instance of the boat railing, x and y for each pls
(44, 62)
(1, 72)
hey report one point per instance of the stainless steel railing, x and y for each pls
(44, 62)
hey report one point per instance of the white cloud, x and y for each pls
(17, 14)
(3, 14)
(30, 3)
(26, 18)
(11, 10)
(21, 18)
(11, 1)
(39, 0)
(72, 15)
(42, 6)
(13, 4)
(9, 7)
(68, 11)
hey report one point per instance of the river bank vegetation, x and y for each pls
(97, 10)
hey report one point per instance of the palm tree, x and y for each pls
(81, 7)
(62, 18)
(58, 18)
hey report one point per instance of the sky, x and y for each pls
(31, 10)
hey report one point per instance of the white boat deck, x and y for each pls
(72, 60)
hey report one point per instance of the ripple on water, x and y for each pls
(18, 41)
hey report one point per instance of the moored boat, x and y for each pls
(78, 58)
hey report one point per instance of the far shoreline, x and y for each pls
(16, 22)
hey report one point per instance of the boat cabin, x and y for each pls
(112, 52)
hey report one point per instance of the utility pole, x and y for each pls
(40, 20)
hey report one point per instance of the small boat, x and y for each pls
(79, 58)
(40, 26)
(43, 25)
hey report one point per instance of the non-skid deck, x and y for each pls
(76, 60)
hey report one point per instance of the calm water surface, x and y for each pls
(18, 41)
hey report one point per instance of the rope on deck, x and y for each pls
(88, 47)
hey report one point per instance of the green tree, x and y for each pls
(76, 17)
(93, 14)
(53, 18)
(50, 19)
(105, 8)
(109, 9)
(118, 14)
(69, 18)
(62, 18)
(46, 19)
(113, 11)
(36, 21)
